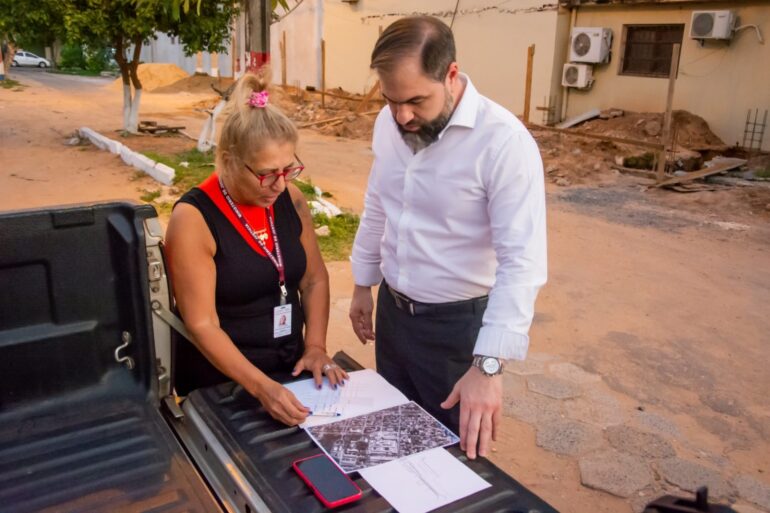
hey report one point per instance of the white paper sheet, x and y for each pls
(365, 392)
(424, 481)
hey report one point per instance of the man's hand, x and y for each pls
(281, 404)
(481, 399)
(361, 308)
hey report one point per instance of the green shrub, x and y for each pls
(72, 56)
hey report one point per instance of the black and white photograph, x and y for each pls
(381, 436)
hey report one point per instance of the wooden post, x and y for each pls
(528, 87)
(372, 92)
(283, 58)
(666, 139)
(323, 73)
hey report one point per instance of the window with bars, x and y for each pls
(647, 49)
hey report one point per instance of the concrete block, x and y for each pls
(569, 437)
(553, 387)
(639, 443)
(615, 472)
(753, 490)
(597, 408)
(163, 173)
(531, 408)
(650, 421)
(690, 476)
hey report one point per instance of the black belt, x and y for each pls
(414, 308)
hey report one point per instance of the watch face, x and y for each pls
(490, 365)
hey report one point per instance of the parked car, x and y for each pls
(22, 58)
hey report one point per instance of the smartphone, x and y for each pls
(329, 483)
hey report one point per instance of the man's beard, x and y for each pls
(428, 132)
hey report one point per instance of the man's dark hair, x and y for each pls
(424, 36)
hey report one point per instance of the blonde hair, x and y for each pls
(248, 128)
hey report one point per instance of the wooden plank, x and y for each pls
(338, 118)
(591, 114)
(323, 73)
(666, 139)
(283, 58)
(528, 83)
(619, 140)
(702, 173)
(361, 106)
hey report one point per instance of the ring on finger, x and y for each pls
(328, 366)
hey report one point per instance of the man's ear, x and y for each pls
(453, 73)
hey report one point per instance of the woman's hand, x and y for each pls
(318, 362)
(281, 404)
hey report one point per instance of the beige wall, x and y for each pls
(491, 45)
(718, 81)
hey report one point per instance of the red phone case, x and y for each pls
(317, 493)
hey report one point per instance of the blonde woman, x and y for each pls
(245, 266)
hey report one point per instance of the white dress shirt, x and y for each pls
(462, 218)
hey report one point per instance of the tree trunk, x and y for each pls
(128, 72)
(133, 117)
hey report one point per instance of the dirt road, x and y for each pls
(654, 325)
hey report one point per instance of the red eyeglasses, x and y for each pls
(288, 174)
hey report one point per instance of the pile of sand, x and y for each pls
(691, 131)
(197, 84)
(154, 75)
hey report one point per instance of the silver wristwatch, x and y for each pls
(488, 365)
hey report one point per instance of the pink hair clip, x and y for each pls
(258, 99)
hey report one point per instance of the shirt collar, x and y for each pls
(466, 111)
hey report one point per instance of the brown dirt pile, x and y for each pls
(153, 76)
(197, 84)
(691, 131)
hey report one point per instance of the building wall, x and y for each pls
(719, 82)
(303, 28)
(491, 44)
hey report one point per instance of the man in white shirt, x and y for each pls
(453, 229)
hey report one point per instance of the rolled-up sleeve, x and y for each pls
(516, 209)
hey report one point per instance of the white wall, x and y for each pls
(303, 28)
(491, 44)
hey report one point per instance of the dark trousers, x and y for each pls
(424, 355)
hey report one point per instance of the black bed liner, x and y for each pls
(263, 450)
(80, 429)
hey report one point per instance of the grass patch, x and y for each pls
(762, 173)
(199, 166)
(342, 230)
(150, 196)
(10, 83)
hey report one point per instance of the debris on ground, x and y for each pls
(153, 128)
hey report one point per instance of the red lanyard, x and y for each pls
(277, 260)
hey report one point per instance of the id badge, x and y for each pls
(281, 321)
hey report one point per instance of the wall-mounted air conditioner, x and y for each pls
(590, 44)
(712, 25)
(577, 75)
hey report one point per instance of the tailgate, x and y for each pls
(106, 457)
(247, 457)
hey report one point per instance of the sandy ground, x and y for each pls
(667, 306)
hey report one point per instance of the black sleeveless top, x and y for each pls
(246, 292)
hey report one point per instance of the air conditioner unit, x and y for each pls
(577, 75)
(590, 44)
(712, 25)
